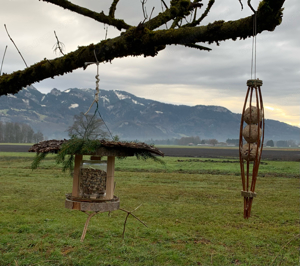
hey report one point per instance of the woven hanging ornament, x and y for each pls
(251, 141)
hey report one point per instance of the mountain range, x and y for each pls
(128, 116)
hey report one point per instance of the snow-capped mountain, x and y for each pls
(128, 116)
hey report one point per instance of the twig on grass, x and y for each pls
(128, 213)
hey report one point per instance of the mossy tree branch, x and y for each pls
(113, 8)
(196, 22)
(196, 46)
(178, 9)
(142, 40)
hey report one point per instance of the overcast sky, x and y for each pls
(177, 75)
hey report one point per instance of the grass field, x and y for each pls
(192, 207)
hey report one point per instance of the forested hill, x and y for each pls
(128, 116)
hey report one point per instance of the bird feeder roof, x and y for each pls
(107, 148)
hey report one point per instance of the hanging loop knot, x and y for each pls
(97, 85)
(96, 98)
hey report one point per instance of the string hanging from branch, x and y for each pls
(96, 97)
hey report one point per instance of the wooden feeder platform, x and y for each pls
(92, 205)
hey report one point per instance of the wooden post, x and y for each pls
(110, 177)
(76, 177)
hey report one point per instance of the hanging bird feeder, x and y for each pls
(93, 180)
(251, 130)
(251, 141)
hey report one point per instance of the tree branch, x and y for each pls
(100, 17)
(130, 213)
(164, 4)
(196, 46)
(3, 59)
(113, 8)
(180, 8)
(241, 4)
(175, 23)
(59, 45)
(142, 41)
(197, 21)
(15, 46)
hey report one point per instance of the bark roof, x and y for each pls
(54, 146)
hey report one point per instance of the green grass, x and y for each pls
(208, 166)
(193, 218)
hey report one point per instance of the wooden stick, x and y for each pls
(123, 234)
(139, 220)
(128, 213)
(86, 225)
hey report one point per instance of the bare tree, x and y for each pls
(87, 127)
(147, 38)
(213, 142)
(37, 137)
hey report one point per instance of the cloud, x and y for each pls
(178, 74)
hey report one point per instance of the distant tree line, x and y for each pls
(18, 133)
(193, 140)
(269, 143)
(188, 140)
(231, 142)
(281, 143)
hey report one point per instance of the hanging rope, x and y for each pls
(97, 111)
(253, 58)
(96, 98)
